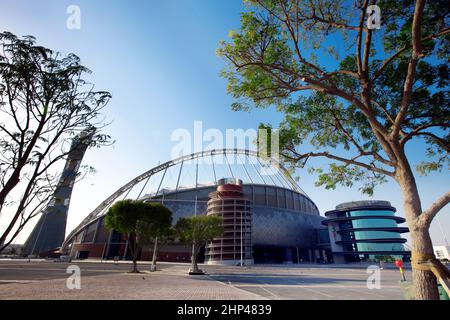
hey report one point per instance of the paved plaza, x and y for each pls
(20, 279)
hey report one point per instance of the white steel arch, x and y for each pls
(125, 189)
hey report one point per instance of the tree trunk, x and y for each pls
(134, 269)
(134, 251)
(194, 266)
(424, 281)
(155, 251)
(14, 179)
(12, 223)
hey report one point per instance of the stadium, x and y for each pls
(281, 223)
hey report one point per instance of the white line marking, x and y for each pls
(243, 290)
(315, 291)
(308, 288)
(268, 291)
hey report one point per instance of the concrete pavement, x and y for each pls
(47, 280)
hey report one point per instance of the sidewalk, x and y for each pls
(169, 284)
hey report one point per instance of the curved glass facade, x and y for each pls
(365, 230)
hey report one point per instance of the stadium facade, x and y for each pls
(280, 222)
(267, 217)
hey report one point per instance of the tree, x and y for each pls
(155, 227)
(198, 230)
(123, 217)
(44, 103)
(140, 222)
(358, 103)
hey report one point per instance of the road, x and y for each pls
(309, 283)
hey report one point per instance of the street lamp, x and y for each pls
(242, 262)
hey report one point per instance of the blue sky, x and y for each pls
(158, 60)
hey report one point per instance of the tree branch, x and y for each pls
(424, 220)
(409, 80)
(369, 167)
(418, 131)
(359, 38)
(398, 53)
(295, 40)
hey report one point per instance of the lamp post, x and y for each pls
(242, 262)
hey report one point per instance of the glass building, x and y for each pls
(365, 231)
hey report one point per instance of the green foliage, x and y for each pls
(346, 175)
(252, 80)
(199, 229)
(123, 216)
(282, 50)
(264, 143)
(326, 123)
(141, 219)
(384, 258)
(156, 221)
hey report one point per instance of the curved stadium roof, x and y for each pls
(197, 170)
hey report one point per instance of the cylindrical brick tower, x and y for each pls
(230, 203)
